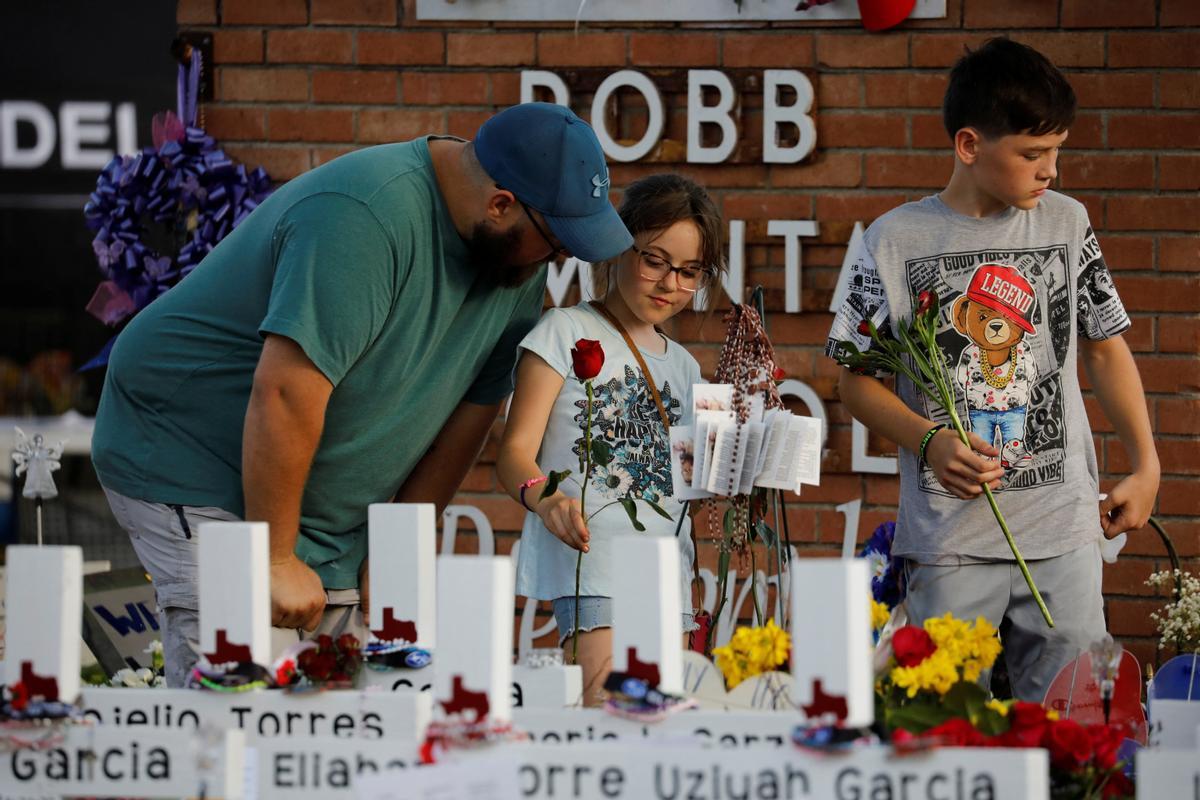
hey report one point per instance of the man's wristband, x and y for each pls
(529, 484)
(927, 438)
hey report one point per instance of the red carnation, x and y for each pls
(912, 645)
(587, 357)
(1069, 744)
(285, 673)
(864, 328)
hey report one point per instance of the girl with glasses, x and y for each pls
(677, 252)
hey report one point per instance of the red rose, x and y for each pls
(912, 645)
(1106, 740)
(1027, 715)
(1118, 785)
(1027, 724)
(348, 643)
(1069, 744)
(321, 666)
(864, 328)
(957, 732)
(587, 356)
(924, 302)
(324, 641)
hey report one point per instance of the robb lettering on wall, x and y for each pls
(789, 135)
(789, 130)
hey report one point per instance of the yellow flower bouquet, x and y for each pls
(933, 675)
(752, 651)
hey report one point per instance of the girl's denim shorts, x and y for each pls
(594, 612)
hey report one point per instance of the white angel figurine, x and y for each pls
(39, 461)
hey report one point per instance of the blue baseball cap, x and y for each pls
(551, 160)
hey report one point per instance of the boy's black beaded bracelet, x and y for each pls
(927, 439)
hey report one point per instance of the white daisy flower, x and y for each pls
(612, 480)
(878, 564)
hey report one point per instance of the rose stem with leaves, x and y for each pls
(587, 469)
(925, 324)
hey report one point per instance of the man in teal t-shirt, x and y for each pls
(349, 343)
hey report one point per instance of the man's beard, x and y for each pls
(493, 253)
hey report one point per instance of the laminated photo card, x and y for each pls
(712, 404)
(683, 464)
(704, 442)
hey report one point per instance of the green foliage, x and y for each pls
(658, 509)
(93, 675)
(601, 452)
(552, 482)
(631, 509)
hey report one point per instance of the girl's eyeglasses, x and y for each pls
(654, 268)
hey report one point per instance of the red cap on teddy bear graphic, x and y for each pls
(1004, 289)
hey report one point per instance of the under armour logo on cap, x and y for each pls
(552, 161)
(598, 184)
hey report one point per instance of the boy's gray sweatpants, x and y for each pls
(1034, 652)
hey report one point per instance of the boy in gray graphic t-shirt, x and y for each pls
(1025, 294)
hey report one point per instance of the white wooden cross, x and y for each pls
(647, 613)
(402, 547)
(831, 640)
(44, 602)
(473, 664)
(235, 592)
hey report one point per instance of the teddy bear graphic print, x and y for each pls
(1005, 329)
(1008, 320)
(625, 417)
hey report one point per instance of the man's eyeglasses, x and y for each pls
(555, 249)
(690, 278)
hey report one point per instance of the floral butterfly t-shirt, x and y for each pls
(625, 417)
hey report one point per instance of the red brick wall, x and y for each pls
(299, 82)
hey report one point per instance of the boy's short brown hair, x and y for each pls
(1004, 88)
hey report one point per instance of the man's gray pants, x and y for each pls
(1070, 585)
(165, 539)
